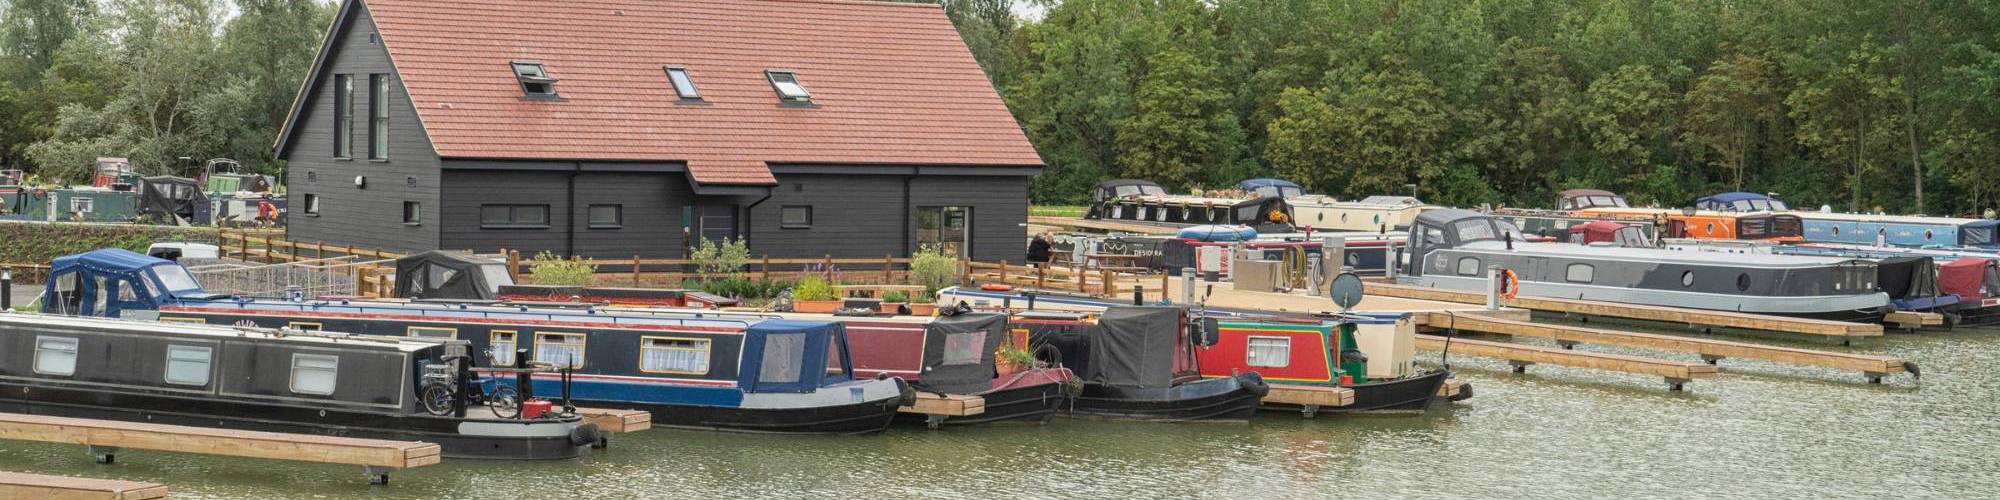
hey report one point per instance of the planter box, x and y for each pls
(892, 307)
(917, 309)
(815, 306)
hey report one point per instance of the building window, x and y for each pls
(564, 350)
(607, 216)
(413, 213)
(948, 229)
(683, 84)
(964, 348)
(55, 356)
(673, 355)
(514, 216)
(343, 116)
(795, 217)
(312, 204)
(788, 86)
(315, 373)
(378, 116)
(188, 365)
(82, 205)
(535, 80)
(500, 347)
(1581, 273)
(432, 332)
(1269, 352)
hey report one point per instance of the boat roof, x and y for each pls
(454, 312)
(1266, 181)
(401, 344)
(1734, 196)
(1126, 182)
(1571, 193)
(1448, 216)
(1657, 256)
(1670, 211)
(1898, 219)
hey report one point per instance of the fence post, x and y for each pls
(269, 253)
(513, 264)
(635, 270)
(243, 245)
(1042, 276)
(888, 268)
(1166, 282)
(767, 268)
(964, 271)
(1082, 280)
(1110, 287)
(319, 250)
(294, 256)
(1003, 270)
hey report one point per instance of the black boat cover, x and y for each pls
(445, 275)
(958, 352)
(174, 197)
(1907, 277)
(1136, 347)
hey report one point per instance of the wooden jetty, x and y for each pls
(1711, 350)
(938, 407)
(104, 438)
(1676, 373)
(1845, 331)
(617, 421)
(1912, 320)
(1102, 225)
(19, 485)
(1310, 398)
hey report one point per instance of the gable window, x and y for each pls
(1269, 352)
(795, 217)
(673, 355)
(514, 216)
(378, 116)
(188, 365)
(564, 350)
(432, 332)
(788, 86)
(312, 204)
(413, 213)
(535, 80)
(55, 356)
(607, 216)
(683, 84)
(314, 374)
(343, 116)
(500, 346)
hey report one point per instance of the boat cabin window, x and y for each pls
(673, 355)
(188, 364)
(432, 332)
(315, 374)
(1687, 279)
(1137, 190)
(783, 354)
(1468, 266)
(564, 350)
(1247, 214)
(1474, 230)
(964, 348)
(55, 356)
(1580, 273)
(500, 347)
(1269, 352)
(1976, 236)
(303, 326)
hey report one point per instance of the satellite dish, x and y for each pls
(1346, 291)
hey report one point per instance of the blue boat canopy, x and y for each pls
(135, 281)
(789, 355)
(1271, 188)
(1738, 201)
(1217, 233)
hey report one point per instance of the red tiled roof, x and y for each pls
(891, 83)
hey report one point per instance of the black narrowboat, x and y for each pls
(1139, 363)
(957, 357)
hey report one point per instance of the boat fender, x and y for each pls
(1510, 284)
(1464, 392)
(907, 395)
(1253, 383)
(584, 435)
(996, 287)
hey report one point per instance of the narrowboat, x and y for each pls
(1963, 284)
(957, 356)
(1453, 248)
(1147, 202)
(749, 375)
(1709, 224)
(1741, 202)
(1316, 352)
(1868, 229)
(1376, 214)
(1579, 199)
(1138, 363)
(274, 380)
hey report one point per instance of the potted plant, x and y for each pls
(893, 300)
(814, 295)
(924, 304)
(1012, 358)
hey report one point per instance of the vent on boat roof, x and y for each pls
(535, 80)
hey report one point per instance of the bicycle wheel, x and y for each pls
(505, 401)
(437, 398)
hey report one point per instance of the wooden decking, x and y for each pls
(617, 421)
(1676, 373)
(37, 486)
(1711, 350)
(1847, 331)
(947, 405)
(106, 437)
(1310, 398)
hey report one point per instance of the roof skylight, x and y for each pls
(788, 86)
(683, 84)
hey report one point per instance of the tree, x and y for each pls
(1850, 116)
(36, 29)
(1075, 86)
(1527, 122)
(270, 46)
(1728, 108)
(1182, 128)
(1303, 144)
(1383, 133)
(1625, 116)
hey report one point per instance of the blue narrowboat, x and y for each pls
(1867, 229)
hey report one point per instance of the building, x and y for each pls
(616, 128)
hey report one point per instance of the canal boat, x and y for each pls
(1453, 249)
(957, 355)
(1328, 353)
(272, 380)
(1709, 224)
(1579, 199)
(1868, 229)
(1739, 201)
(1146, 202)
(1138, 363)
(1374, 214)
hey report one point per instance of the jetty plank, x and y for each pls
(1641, 312)
(1708, 348)
(20, 485)
(1913, 319)
(617, 421)
(1315, 395)
(948, 405)
(1672, 370)
(201, 440)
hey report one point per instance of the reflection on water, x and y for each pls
(1762, 430)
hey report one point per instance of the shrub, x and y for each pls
(814, 288)
(727, 258)
(1010, 354)
(894, 296)
(547, 268)
(933, 269)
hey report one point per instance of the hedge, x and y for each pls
(39, 243)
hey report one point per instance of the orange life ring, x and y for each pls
(1510, 284)
(996, 287)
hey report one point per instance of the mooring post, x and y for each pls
(1492, 288)
(1187, 285)
(6, 289)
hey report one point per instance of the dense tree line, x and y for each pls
(152, 80)
(1860, 104)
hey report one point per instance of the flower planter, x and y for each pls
(922, 309)
(815, 306)
(1006, 369)
(892, 308)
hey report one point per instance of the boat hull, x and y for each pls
(1409, 394)
(859, 418)
(1215, 399)
(1024, 404)
(1841, 307)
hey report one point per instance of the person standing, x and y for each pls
(1038, 250)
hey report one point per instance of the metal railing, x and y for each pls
(314, 278)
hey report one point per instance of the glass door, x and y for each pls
(949, 229)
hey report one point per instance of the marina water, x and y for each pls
(1761, 430)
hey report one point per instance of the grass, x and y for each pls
(1057, 210)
